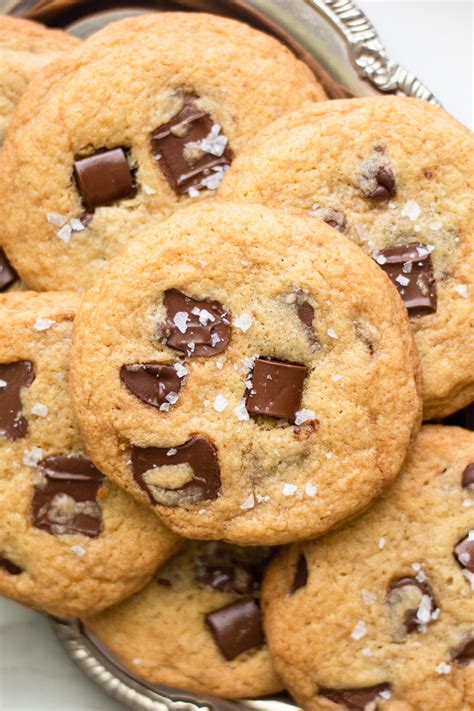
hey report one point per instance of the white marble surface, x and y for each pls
(434, 40)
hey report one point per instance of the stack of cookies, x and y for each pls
(228, 305)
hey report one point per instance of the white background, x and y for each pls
(434, 40)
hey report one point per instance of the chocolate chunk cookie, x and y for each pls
(396, 176)
(71, 542)
(148, 114)
(383, 617)
(250, 374)
(197, 625)
(25, 48)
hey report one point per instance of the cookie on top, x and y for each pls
(71, 542)
(148, 114)
(380, 614)
(248, 373)
(395, 175)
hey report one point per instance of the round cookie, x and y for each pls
(25, 48)
(380, 614)
(197, 626)
(71, 542)
(148, 114)
(247, 372)
(396, 176)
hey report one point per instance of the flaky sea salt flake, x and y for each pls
(249, 503)
(289, 489)
(360, 630)
(243, 322)
(65, 233)
(241, 411)
(32, 456)
(39, 409)
(42, 324)
(412, 210)
(304, 415)
(310, 489)
(220, 403)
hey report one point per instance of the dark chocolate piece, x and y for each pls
(8, 275)
(197, 328)
(199, 453)
(237, 627)
(410, 618)
(409, 268)
(305, 314)
(464, 552)
(228, 578)
(13, 378)
(103, 177)
(183, 163)
(385, 188)
(151, 382)
(468, 477)
(65, 501)
(354, 699)
(10, 567)
(465, 656)
(301, 574)
(276, 389)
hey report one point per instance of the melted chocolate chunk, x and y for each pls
(237, 627)
(399, 595)
(466, 655)
(103, 177)
(183, 160)
(13, 378)
(225, 570)
(10, 567)
(385, 188)
(277, 388)
(7, 274)
(154, 384)
(468, 477)
(65, 500)
(301, 574)
(197, 328)
(201, 457)
(333, 218)
(354, 699)
(409, 268)
(305, 314)
(464, 552)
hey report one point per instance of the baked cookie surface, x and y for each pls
(197, 625)
(247, 372)
(396, 176)
(380, 615)
(147, 114)
(25, 48)
(71, 542)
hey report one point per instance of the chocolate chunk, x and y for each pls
(468, 477)
(197, 328)
(7, 274)
(86, 218)
(103, 177)
(333, 218)
(13, 378)
(409, 268)
(154, 384)
(354, 699)
(237, 627)
(301, 574)
(305, 314)
(183, 160)
(277, 388)
(464, 552)
(64, 499)
(385, 188)
(405, 596)
(228, 578)
(200, 457)
(165, 582)
(466, 654)
(10, 567)
(227, 568)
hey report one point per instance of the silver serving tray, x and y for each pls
(341, 46)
